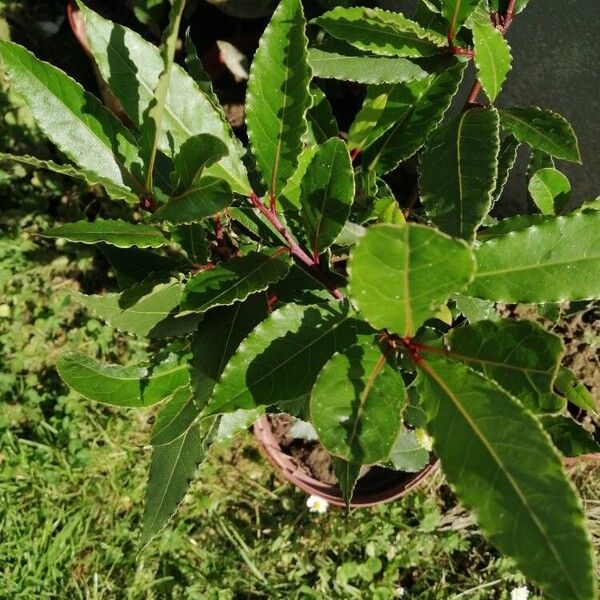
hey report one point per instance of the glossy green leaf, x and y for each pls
(322, 124)
(91, 178)
(574, 391)
(503, 467)
(129, 387)
(507, 157)
(114, 232)
(132, 67)
(569, 437)
(492, 54)
(550, 190)
(196, 70)
(347, 474)
(209, 197)
(364, 129)
(407, 454)
(458, 170)
(174, 418)
(326, 194)
(456, 12)
(548, 269)
(278, 96)
(192, 239)
(475, 309)
(290, 195)
(363, 69)
(520, 356)
(77, 122)
(400, 275)
(380, 32)
(413, 110)
(150, 127)
(234, 280)
(356, 404)
(278, 363)
(147, 309)
(543, 130)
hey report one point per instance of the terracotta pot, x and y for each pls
(376, 487)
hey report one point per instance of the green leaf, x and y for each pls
(321, 122)
(234, 280)
(413, 110)
(129, 387)
(326, 194)
(503, 467)
(77, 122)
(356, 404)
(172, 468)
(380, 32)
(91, 178)
(147, 309)
(192, 239)
(569, 437)
(574, 391)
(115, 232)
(458, 170)
(456, 12)
(543, 130)
(132, 67)
(400, 275)
(520, 356)
(347, 474)
(278, 363)
(150, 127)
(507, 156)
(475, 309)
(196, 70)
(492, 54)
(278, 96)
(547, 270)
(364, 130)
(174, 418)
(363, 69)
(209, 197)
(290, 195)
(550, 190)
(407, 454)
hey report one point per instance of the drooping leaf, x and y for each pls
(507, 156)
(77, 122)
(115, 232)
(147, 309)
(196, 70)
(279, 361)
(574, 391)
(347, 474)
(458, 170)
(504, 468)
(174, 418)
(413, 110)
(543, 130)
(400, 275)
(492, 53)
(150, 127)
(132, 67)
(209, 197)
(407, 454)
(322, 124)
(569, 437)
(363, 69)
(326, 194)
(192, 239)
(129, 387)
(91, 178)
(356, 404)
(520, 356)
(233, 281)
(547, 269)
(550, 190)
(380, 32)
(456, 12)
(278, 96)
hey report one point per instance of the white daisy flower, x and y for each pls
(400, 592)
(520, 593)
(317, 504)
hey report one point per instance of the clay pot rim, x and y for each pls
(400, 483)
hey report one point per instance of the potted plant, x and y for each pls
(288, 280)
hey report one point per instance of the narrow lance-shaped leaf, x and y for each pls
(326, 194)
(503, 467)
(458, 170)
(129, 387)
(400, 275)
(115, 232)
(77, 122)
(547, 269)
(456, 12)
(356, 404)
(347, 474)
(550, 190)
(507, 156)
(278, 95)
(175, 417)
(543, 130)
(192, 239)
(321, 122)
(196, 70)
(380, 31)
(152, 118)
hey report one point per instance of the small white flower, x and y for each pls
(400, 592)
(520, 593)
(317, 504)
